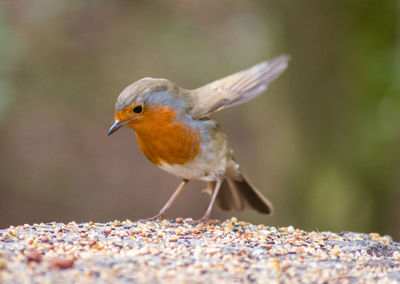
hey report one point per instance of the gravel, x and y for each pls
(176, 251)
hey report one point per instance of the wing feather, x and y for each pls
(237, 88)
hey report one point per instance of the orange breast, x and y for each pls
(163, 139)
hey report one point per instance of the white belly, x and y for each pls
(196, 170)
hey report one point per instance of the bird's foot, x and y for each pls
(158, 217)
(205, 220)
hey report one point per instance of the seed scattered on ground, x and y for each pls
(60, 262)
(44, 239)
(3, 264)
(179, 220)
(177, 251)
(33, 255)
(107, 230)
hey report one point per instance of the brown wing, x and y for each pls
(237, 88)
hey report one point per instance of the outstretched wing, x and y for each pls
(237, 88)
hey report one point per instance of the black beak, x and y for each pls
(117, 125)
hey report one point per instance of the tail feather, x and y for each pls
(229, 197)
(235, 194)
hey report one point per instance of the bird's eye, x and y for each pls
(138, 109)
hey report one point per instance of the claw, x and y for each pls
(158, 217)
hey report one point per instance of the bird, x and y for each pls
(175, 132)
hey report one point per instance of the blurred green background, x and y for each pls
(322, 143)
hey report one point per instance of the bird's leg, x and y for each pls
(207, 216)
(171, 200)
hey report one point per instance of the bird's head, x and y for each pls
(137, 105)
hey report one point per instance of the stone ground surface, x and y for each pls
(178, 252)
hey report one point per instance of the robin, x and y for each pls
(175, 132)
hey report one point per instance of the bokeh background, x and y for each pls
(322, 143)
